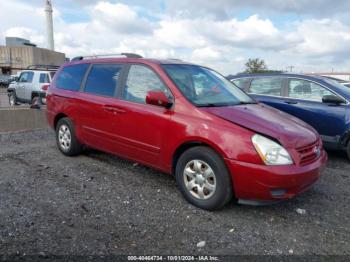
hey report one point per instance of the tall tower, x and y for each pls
(49, 25)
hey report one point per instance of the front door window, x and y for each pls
(303, 89)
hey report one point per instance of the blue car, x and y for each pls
(318, 101)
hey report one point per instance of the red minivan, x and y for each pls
(186, 120)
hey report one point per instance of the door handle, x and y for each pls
(291, 102)
(115, 110)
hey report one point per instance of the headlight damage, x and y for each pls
(271, 152)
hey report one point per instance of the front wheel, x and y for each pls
(203, 178)
(348, 150)
(12, 99)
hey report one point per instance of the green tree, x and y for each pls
(255, 65)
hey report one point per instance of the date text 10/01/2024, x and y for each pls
(173, 258)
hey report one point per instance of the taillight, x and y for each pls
(45, 87)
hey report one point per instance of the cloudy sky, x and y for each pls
(311, 35)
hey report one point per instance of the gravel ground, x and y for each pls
(4, 100)
(98, 204)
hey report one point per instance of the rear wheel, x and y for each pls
(203, 178)
(36, 102)
(66, 139)
(348, 150)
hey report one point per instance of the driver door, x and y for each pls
(304, 100)
(142, 128)
(23, 84)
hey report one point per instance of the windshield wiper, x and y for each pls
(226, 104)
(247, 103)
(213, 105)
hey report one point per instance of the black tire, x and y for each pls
(36, 102)
(12, 99)
(348, 150)
(223, 192)
(74, 147)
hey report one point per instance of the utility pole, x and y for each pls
(290, 68)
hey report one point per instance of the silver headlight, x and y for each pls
(271, 152)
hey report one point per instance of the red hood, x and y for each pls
(288, 130)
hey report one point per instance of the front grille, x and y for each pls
(309, 153)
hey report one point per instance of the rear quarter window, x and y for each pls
(70, 77)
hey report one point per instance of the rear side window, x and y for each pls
(71, 76)
(303, 89)
(103, 79)
(242, 83)
(266, 86)
(44, 78)
(141, 80)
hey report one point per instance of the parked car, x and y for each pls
(30, 87)
(320, 102)
(186, 120)
(5, 80)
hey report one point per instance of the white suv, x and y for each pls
(30, 87)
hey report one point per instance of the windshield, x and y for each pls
(204, 87)
(344, 88)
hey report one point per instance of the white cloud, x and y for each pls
(221, 9)
(120, 17)
(223, 43)
(206, 54)
(323, 37)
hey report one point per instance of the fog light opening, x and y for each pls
(278, 192)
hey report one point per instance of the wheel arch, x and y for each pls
(193, 143)
(57, 118)
(34, 94)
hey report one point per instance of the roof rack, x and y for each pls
(43, 67)
(128, 55)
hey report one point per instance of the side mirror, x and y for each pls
(158, 98)
(332, 99)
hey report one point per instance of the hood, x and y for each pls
(288, 130)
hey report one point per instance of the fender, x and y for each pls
(345, 139)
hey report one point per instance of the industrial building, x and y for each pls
(19, 53)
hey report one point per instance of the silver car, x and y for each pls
(30, 87)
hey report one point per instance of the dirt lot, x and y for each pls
(98, 204)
